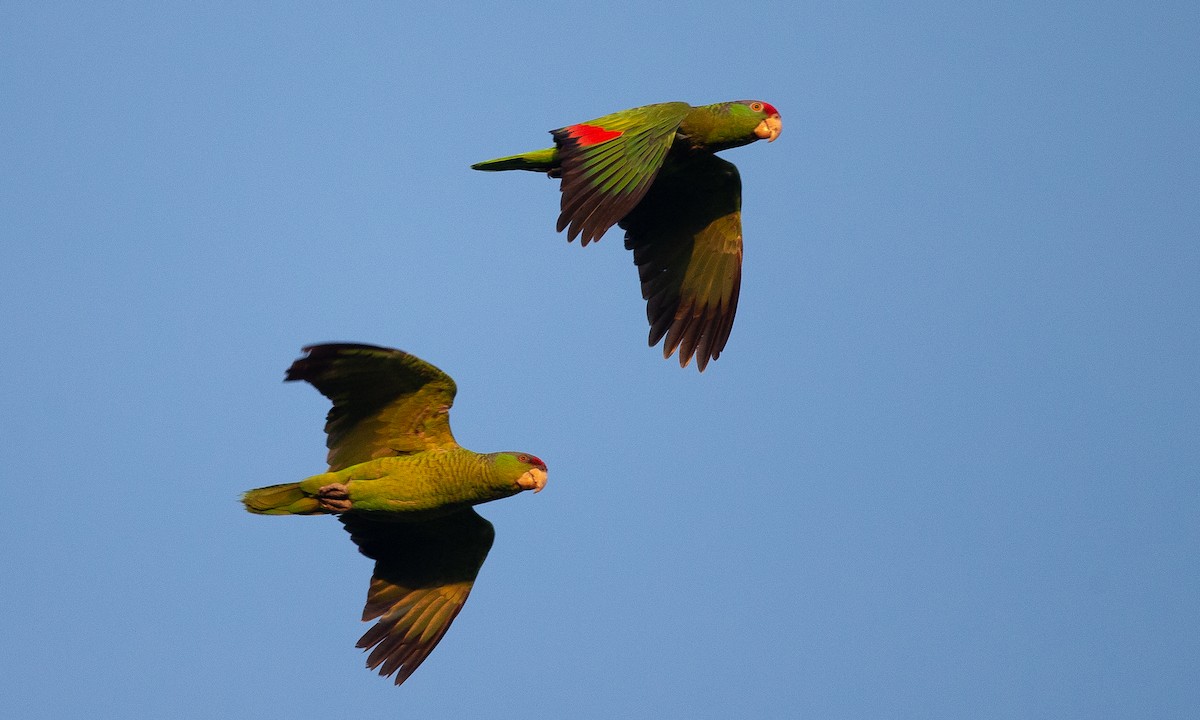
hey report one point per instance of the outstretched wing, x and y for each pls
(423, 574)
(385, 402)
(608, 163)
(686, 238)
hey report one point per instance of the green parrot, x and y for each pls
(403, 489)
(652, 171)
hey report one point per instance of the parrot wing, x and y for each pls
(608, 163)
(385, 402)
(686, 238)
(424, 572)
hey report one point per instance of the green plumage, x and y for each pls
(404, 490)
(434, 481)
(285, 499)
(609, 169)
(539, 160)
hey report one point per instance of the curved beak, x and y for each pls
(534, 479)
(769, 128)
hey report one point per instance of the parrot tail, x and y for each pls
(285, 499)
(537, 160)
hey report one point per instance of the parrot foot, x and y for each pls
(334, 498)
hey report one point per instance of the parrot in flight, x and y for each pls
(652, 170)
(403, 489)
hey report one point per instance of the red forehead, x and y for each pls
(769, 109)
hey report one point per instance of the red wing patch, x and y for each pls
(592, 134)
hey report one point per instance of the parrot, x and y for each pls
(652, 171)
(403, 489)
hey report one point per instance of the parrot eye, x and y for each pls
(756, 106)
(531, 460)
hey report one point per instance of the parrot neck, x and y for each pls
(713, 128)
(475, 479)
(494, 484)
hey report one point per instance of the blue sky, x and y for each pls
(946, 467)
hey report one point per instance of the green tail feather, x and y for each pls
(285, 499)
(537, 160)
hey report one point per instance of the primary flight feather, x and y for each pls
(403, 489)
(652, 171)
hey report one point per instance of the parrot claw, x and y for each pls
(334, 498)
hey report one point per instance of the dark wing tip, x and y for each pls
(702, 332)
(318, 357)
(327, 362)
(392, 651)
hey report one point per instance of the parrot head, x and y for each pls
(732, 124)
(770, 125)
(527, 471)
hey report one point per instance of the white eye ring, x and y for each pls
(756, 106)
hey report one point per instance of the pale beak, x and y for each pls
(534, 479)
(769, 128)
